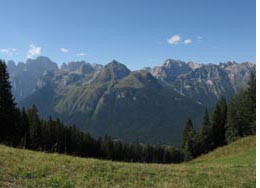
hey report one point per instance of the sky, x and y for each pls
(138, 33)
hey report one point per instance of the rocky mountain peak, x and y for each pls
(86, 68)
(11, 66)
(194, 65)
(170, 70)
(11, 63)
(173, 63)
(39, 60)
(114, 70)
(97, 66)
(41, 64)
(115, 65)
(72, 66)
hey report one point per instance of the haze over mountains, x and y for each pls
(149, 105)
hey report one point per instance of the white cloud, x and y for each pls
(81, 54)
(8, 51)
(175, 39)
(33, 51)
(187, 41)
(64, 50)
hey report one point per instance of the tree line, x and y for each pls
(24, 128)
(227, 123)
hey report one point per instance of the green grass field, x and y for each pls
(229, 166)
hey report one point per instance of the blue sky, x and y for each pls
(137, 33)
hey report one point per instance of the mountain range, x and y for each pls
(149, 105)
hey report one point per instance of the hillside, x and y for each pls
(229, 166)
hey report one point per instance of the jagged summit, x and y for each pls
(171, 62)
(114, 62)
(39, 58)
(77, 66)
(113, 71)
(40, 64)
(170, 69)
(116, 66)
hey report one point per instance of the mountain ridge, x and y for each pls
(170, 72)
(147, 105)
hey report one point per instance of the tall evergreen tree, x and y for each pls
(218, 124)
(203, 137)
(35, 128)
(188, 140)
(7, 107)
(24, 123)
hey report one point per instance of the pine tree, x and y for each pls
(7, 107)
(24, 129)
(188, 139)
(218, 124)
(35, 128)
(203, 137)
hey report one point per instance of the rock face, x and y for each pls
(204, 83)
(86, 69)
(239, 74)
(77, 66)
(112, 71)
(170, 70)
(27, 77)
(24, 76)
(149, 105)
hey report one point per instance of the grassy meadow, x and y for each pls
(230, 166)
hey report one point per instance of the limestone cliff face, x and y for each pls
(24, 76)
(204, 83)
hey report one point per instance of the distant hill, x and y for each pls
(229, 166)
(149, 105)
